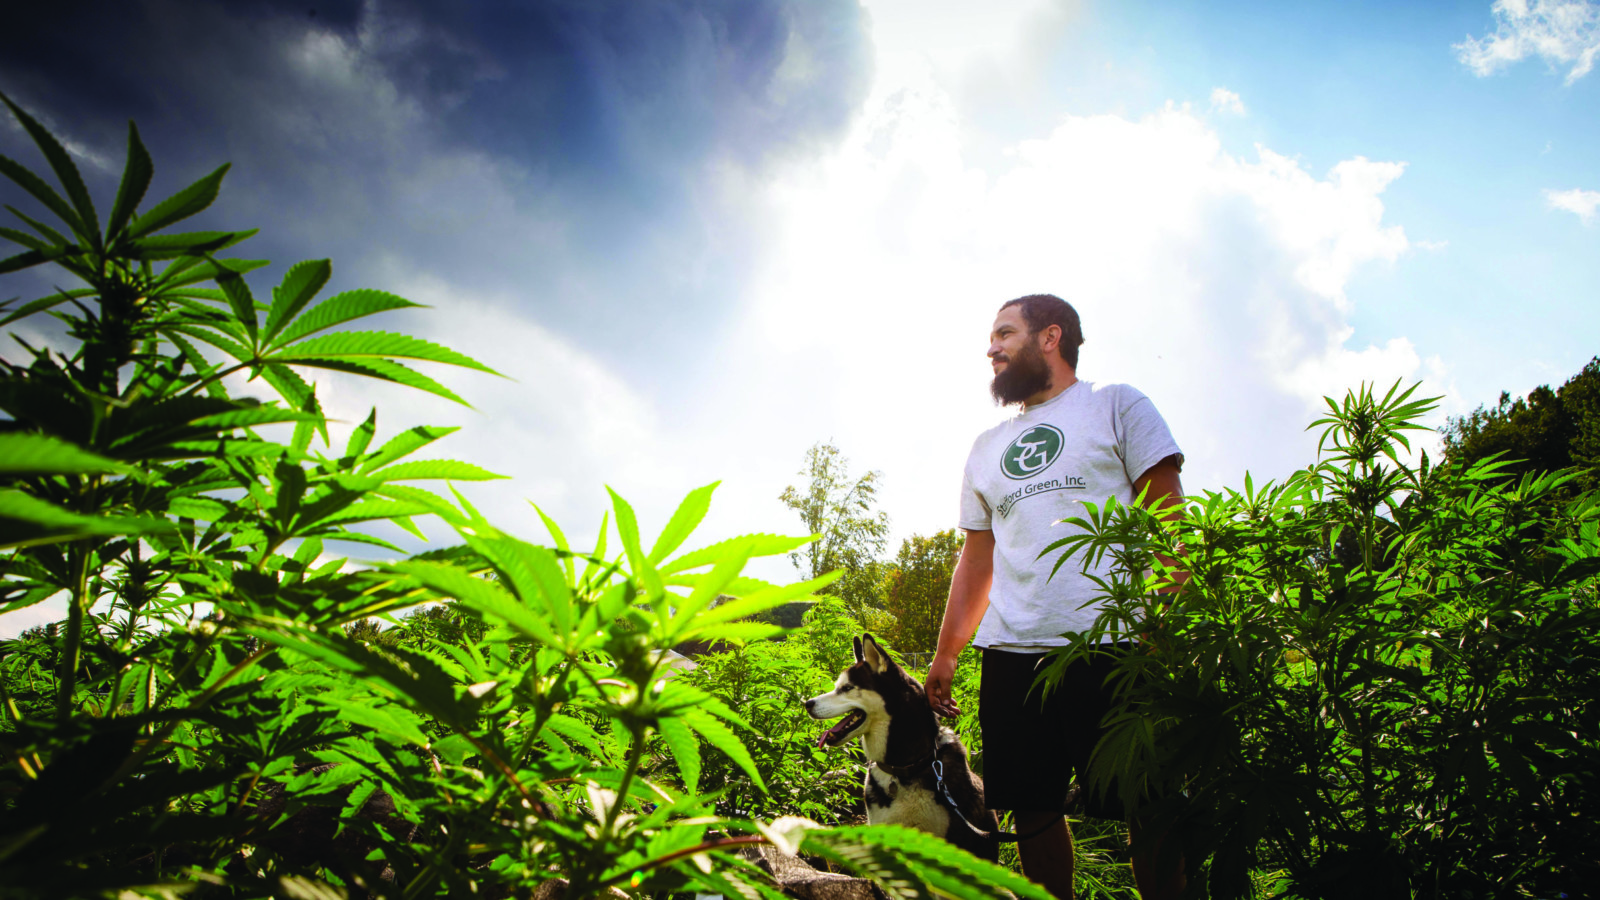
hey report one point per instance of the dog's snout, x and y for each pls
(811, 705)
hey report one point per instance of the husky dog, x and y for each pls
(905, 744)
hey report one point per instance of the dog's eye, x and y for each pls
(846, 688)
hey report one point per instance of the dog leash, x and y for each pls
(1004, 837)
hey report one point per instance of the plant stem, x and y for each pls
(74, 650)
(674, 856)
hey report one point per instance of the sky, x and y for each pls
(698, 236)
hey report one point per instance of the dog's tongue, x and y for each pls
(848, 722)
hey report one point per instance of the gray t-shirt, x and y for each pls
(1024, 475)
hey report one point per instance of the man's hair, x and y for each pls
(1041, 311)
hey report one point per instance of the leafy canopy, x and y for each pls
(221, 715)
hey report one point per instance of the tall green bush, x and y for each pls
(916, 587)
(217, 716)
(1380, 679)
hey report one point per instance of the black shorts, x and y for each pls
(1033, 747)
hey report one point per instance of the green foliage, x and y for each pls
(221, 714)
(828, 634)
(918, 584)
(767, 683)
(1381, 679)
(1543, 432)
(841, 510)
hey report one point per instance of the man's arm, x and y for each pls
(1167, 490)
(969, 598)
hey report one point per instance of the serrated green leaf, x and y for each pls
(688, 516)
(628, 532)
(240, 300)
(300, 284)
(486, 597)
(38, 454)
(361, 436)
(740, 632)
(157, 247)
(567, 562)
(435, 469)
(23, 260)
(758, 545)
(967, 875)
(357, 537)
(181, 205)
(257, 415)
(27, 521)
(434, 503)
(385, 371)
(392, 721)
(765, 599)
(404, 444)
(42, 192)
(678, 695)
(722, 737)
(204, 509)
(222, 342)
(341, 308)
(685, 749)
(193, 270)
(358, 798)
(368, 511)
(324, 781)
(364, 345)
(44, 303)
(136, 174)
(51, 238)
(88, 224)
(291, 387)
(576, 730)
(533, 573)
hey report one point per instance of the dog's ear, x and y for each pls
(874, 655)
(857, 642)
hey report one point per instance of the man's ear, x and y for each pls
(857, 642)
(1050, 339)
(874, 656)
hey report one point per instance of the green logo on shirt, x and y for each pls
(1032, 452)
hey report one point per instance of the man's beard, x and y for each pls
(1026, 373)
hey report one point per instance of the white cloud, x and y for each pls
(1224, 100)
(1216, 284)
(1577, 201)
(1562, 32)
(94, 157)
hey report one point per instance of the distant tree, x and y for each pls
(842, 508)
(1547, 430)
(917, 586)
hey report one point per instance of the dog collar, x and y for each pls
(907, 771)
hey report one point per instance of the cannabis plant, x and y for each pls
(1380, 678)
(219, 713)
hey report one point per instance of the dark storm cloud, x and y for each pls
(566, 149)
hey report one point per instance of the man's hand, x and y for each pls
(940, 674)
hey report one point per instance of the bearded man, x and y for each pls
(1071, 442)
